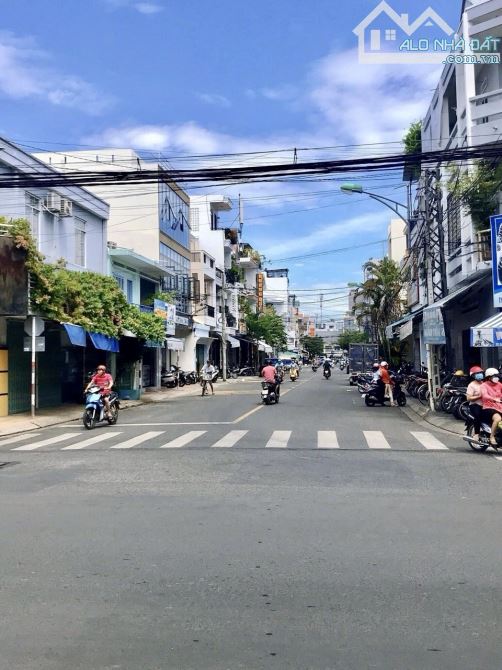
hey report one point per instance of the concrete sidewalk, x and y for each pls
(19, 423)
(415, 410)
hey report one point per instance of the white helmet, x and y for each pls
(384, 363)
(491, 372)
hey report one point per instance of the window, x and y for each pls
(390, 35)
(80, 242)
(454, 228)
(120, 280)
(33, 216)
(194, 219)
(129, 290)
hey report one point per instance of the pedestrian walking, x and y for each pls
(207, 372)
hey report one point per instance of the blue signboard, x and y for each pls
(433, 325)
(486, 337)
(496, 234)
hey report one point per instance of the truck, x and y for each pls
(361, 359)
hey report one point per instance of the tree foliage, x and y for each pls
(350, 337)
(478, 190)
(413, 139)
(267, 326)
(378, 299)
(313, 345)
(87, 299)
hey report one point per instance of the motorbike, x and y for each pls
(293, 374)
(95, 410)
(247, 371)
(327, 373)
(270, 393)
(376, 394)
(314, 368)
(170, 378)
(190, 377)
(483, 442)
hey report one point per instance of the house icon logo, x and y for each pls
(384, 36)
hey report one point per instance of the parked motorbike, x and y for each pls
(95, 410)
(293, 374)
(170, 378)
(376, 394)
(270, 393)
(247, 372)
(191, 377)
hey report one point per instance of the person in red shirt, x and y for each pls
(385, 377)
(104, 380)
(491, 397)
(269, 373)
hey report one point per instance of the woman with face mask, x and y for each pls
(491, 397)
(474, 396)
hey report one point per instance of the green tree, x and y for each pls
(350, 337)
(478, 190)
(378, 299)
(313, 345)
(267, 326)
(413, 139)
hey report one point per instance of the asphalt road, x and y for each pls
(329, 536)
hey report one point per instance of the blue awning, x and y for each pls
(104, 342)
(76, 334)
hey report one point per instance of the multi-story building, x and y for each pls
(68, 223)
(451, 281)
(152, 222)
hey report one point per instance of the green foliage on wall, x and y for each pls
(87, 299)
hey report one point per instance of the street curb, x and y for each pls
(424, 418)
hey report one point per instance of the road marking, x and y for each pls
(428, 440)
(327, 439)
(230, 438)
(44, 443)
(163, 423)
(18, 438)
(279, 439)
(137, 440)
(246, 414)
(100, 437)
(376, 439)
(183, 439)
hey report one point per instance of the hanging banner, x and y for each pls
(433, 326)
(170, 319)
(259, 292)
(496, 237)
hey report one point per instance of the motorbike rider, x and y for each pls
(207, 372)
(269, 374)
(385, 377)
(104, 380)
(376, 372)
(491, 397)
(474, 396)
(327, 367)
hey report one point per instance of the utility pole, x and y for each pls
(320, 304)
(224, 328)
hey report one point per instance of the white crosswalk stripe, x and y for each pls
(134, 441)
(183, 439)
(327, 439)
(95, 439)
(279, 439)
(17, 438)
(376, 439)
(231, 438)
(45, 443)
(428, 441)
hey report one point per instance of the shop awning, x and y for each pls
(393, 329)
(175, 343)
(488, 333)
(104, 342)
(456, 293)
(234, 343)
(76, 334)
(263, 346)
(205, 340)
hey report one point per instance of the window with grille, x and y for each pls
(80, 242)
(454, 227)
(194, 219)
(33, 216)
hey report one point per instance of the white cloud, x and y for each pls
(148, 8)
(330, 233)
(25, 73)
(214, 99)
(280, 93)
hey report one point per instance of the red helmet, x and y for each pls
(475, 369)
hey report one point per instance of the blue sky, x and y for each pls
(228, 76)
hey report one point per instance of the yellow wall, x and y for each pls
(4, 382)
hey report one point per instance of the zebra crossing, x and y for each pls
(232, 439)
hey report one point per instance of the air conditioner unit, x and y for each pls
(66, 207)
(53, 202)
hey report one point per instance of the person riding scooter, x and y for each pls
(474, 396)
(326, 369)
(270, 376)
(491, 397)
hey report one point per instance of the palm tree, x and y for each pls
(380, 302)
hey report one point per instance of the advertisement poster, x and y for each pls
(434, 326)
(496, 236)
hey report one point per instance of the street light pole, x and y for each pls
(224, 328)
